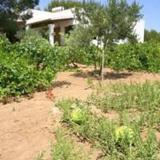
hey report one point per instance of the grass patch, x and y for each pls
(65, 148)
(140, 102)
(121, 96)
(101, 132)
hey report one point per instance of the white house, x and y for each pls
(139, 30)
(60, 21)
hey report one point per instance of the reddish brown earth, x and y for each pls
(27, 127)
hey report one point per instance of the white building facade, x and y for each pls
(61, 21)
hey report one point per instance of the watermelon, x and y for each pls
(78, 116)
(124, 134)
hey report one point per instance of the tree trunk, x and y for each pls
(95, 67)
(102, 66)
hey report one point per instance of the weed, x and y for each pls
(40, 156)
(122, 96)
(102, 133)
(90, 82)
(65, 148)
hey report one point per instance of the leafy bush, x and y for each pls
(19, 77)
(4, 43)
(136, 57)
(79, 47)
(28, 65)
(41, 53)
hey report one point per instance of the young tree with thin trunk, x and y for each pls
(108, 23)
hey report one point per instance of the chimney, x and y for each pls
(58, 9)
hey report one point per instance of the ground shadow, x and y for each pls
(107, 75)
(116, 75)
(60, 84)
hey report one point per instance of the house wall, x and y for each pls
(139, 30)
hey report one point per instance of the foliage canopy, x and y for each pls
(107, 24)
(10, 11)
(152, 35)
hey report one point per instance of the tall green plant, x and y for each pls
(108, 23)
(136, 57)
(19, 77)
(40, 52)
(4, 43)
(28, 66)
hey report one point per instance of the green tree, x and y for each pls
(109, 23)
(65, 3)
(152, 35)
(10, 11)
(77, 46)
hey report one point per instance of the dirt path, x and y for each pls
(27, 127)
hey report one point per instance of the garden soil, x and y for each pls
(27, 128)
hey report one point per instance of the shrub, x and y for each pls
(28, 65)
(41, 53)
(136, 57)
(4, 43)
(19, 77)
